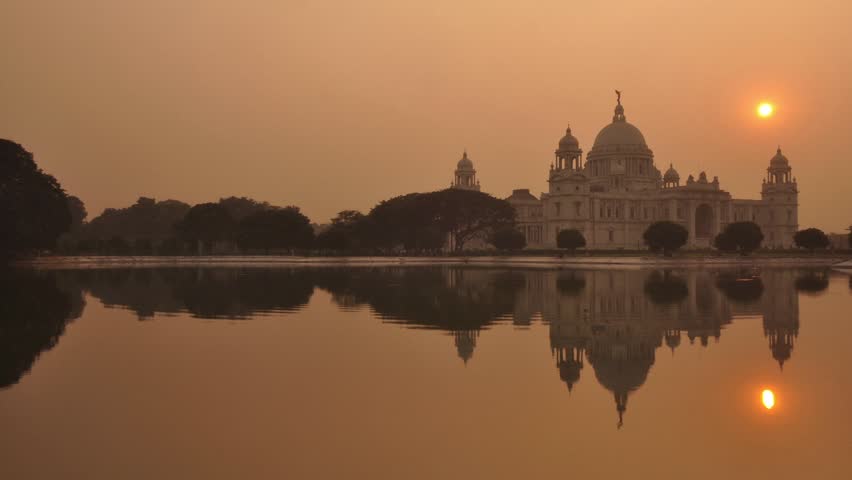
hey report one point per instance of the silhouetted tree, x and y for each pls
(171, 246)
(724, 243)
(747, 236)
(508, 238)
(242, 207)
(665, 237)
(811, 239)
(206, 223)
(78, 213)
(147, 218)
(663, 288)
(348, 232)
(34, 209)
(284, 228)
(571, 239)
(469, 214)
(117, 245)
(143, 246)
(422, 221)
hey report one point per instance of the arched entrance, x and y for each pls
(704, 221)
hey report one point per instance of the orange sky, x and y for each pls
(339, 104)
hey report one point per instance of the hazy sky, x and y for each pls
(332, 105)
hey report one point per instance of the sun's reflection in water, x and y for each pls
(768, 398)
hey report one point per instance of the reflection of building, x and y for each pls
(615, 320)
(619, 191)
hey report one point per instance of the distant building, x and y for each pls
(465, 175)
(840, 241)
(618, 192)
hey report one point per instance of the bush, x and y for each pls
(665, 237)
(747, 236)
(811, 239)
(570, 239)
(724, 243)
(508, 238)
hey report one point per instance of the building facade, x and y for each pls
(613, 195)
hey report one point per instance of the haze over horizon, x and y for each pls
(338, 105)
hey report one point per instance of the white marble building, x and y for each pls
(618, 191)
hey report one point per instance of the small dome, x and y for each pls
(569, 142)
(779, 159)
(465, 163)
(671, 174)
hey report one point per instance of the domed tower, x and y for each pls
(671, 178)
(465, 175)
(779, 216)
(620, 160)
(568, 154)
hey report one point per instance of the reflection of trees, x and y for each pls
(741, 287)
(570, 283)
(203, 292)
(33, 315)
(812, 282)
(665, 288)
(461, 301)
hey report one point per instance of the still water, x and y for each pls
(425, 372)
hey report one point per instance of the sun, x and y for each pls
(765, 110)
(767, 397)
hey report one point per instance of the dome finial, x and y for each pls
(619, 110)
(779, 149)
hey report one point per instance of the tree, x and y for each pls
(468, 214)
(205, 224)
(665, 237)
(348, 232)
(284, 228)
(572, 239)
(811, 239)
(33, 207)
(78, 213)
(147, 218)
(424, 221)
(508, 238)
(747, 236)
(241, 207)
(724, 243)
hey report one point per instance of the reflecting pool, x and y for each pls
(425, 372)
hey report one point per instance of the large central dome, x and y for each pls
(619, 132)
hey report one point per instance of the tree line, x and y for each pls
(40, 216)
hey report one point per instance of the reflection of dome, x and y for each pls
(671, 175)
(569, 372)
(621, 375)
(779, 160)
(569, 142)
(465, 163)
(619, 132)
(465, 341)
